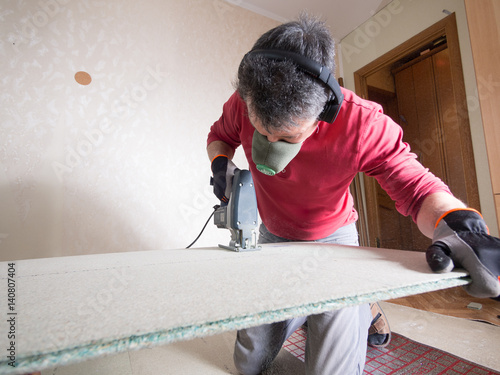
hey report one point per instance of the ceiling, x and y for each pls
(342, 16)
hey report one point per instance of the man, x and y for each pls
(305, 140)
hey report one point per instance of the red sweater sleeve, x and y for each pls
(227, 127)
(385, 156)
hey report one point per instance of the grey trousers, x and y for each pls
(336, 340)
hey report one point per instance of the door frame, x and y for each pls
(446, 27)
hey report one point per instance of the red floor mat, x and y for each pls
(402, 356)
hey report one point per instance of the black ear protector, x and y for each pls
(318, 71)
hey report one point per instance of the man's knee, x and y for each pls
(255, 349)
(249, 363)
(247, 357)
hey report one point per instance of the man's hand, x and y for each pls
(223, 172)
(461, 239)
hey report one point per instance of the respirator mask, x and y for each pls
(272, 157)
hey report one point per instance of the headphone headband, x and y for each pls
(314, 69)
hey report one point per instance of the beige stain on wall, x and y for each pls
(83, 78)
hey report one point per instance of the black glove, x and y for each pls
(461, 239)
(223, 172)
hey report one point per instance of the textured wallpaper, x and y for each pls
(105, 107)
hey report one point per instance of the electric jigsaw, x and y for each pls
(239, 215)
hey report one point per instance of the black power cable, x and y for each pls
(213, 212)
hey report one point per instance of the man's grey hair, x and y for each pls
(278, 92)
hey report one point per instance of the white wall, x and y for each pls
(395, 24)
(120, 164)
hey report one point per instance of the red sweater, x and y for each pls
(310, 198)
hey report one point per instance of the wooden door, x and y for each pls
(428, 116)
(393, 230)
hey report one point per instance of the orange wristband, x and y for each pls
(456, 209)
(218, 156)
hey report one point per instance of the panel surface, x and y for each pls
(70, 309)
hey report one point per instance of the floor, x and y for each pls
(472, 340)
(455, 302)
(475, 341)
